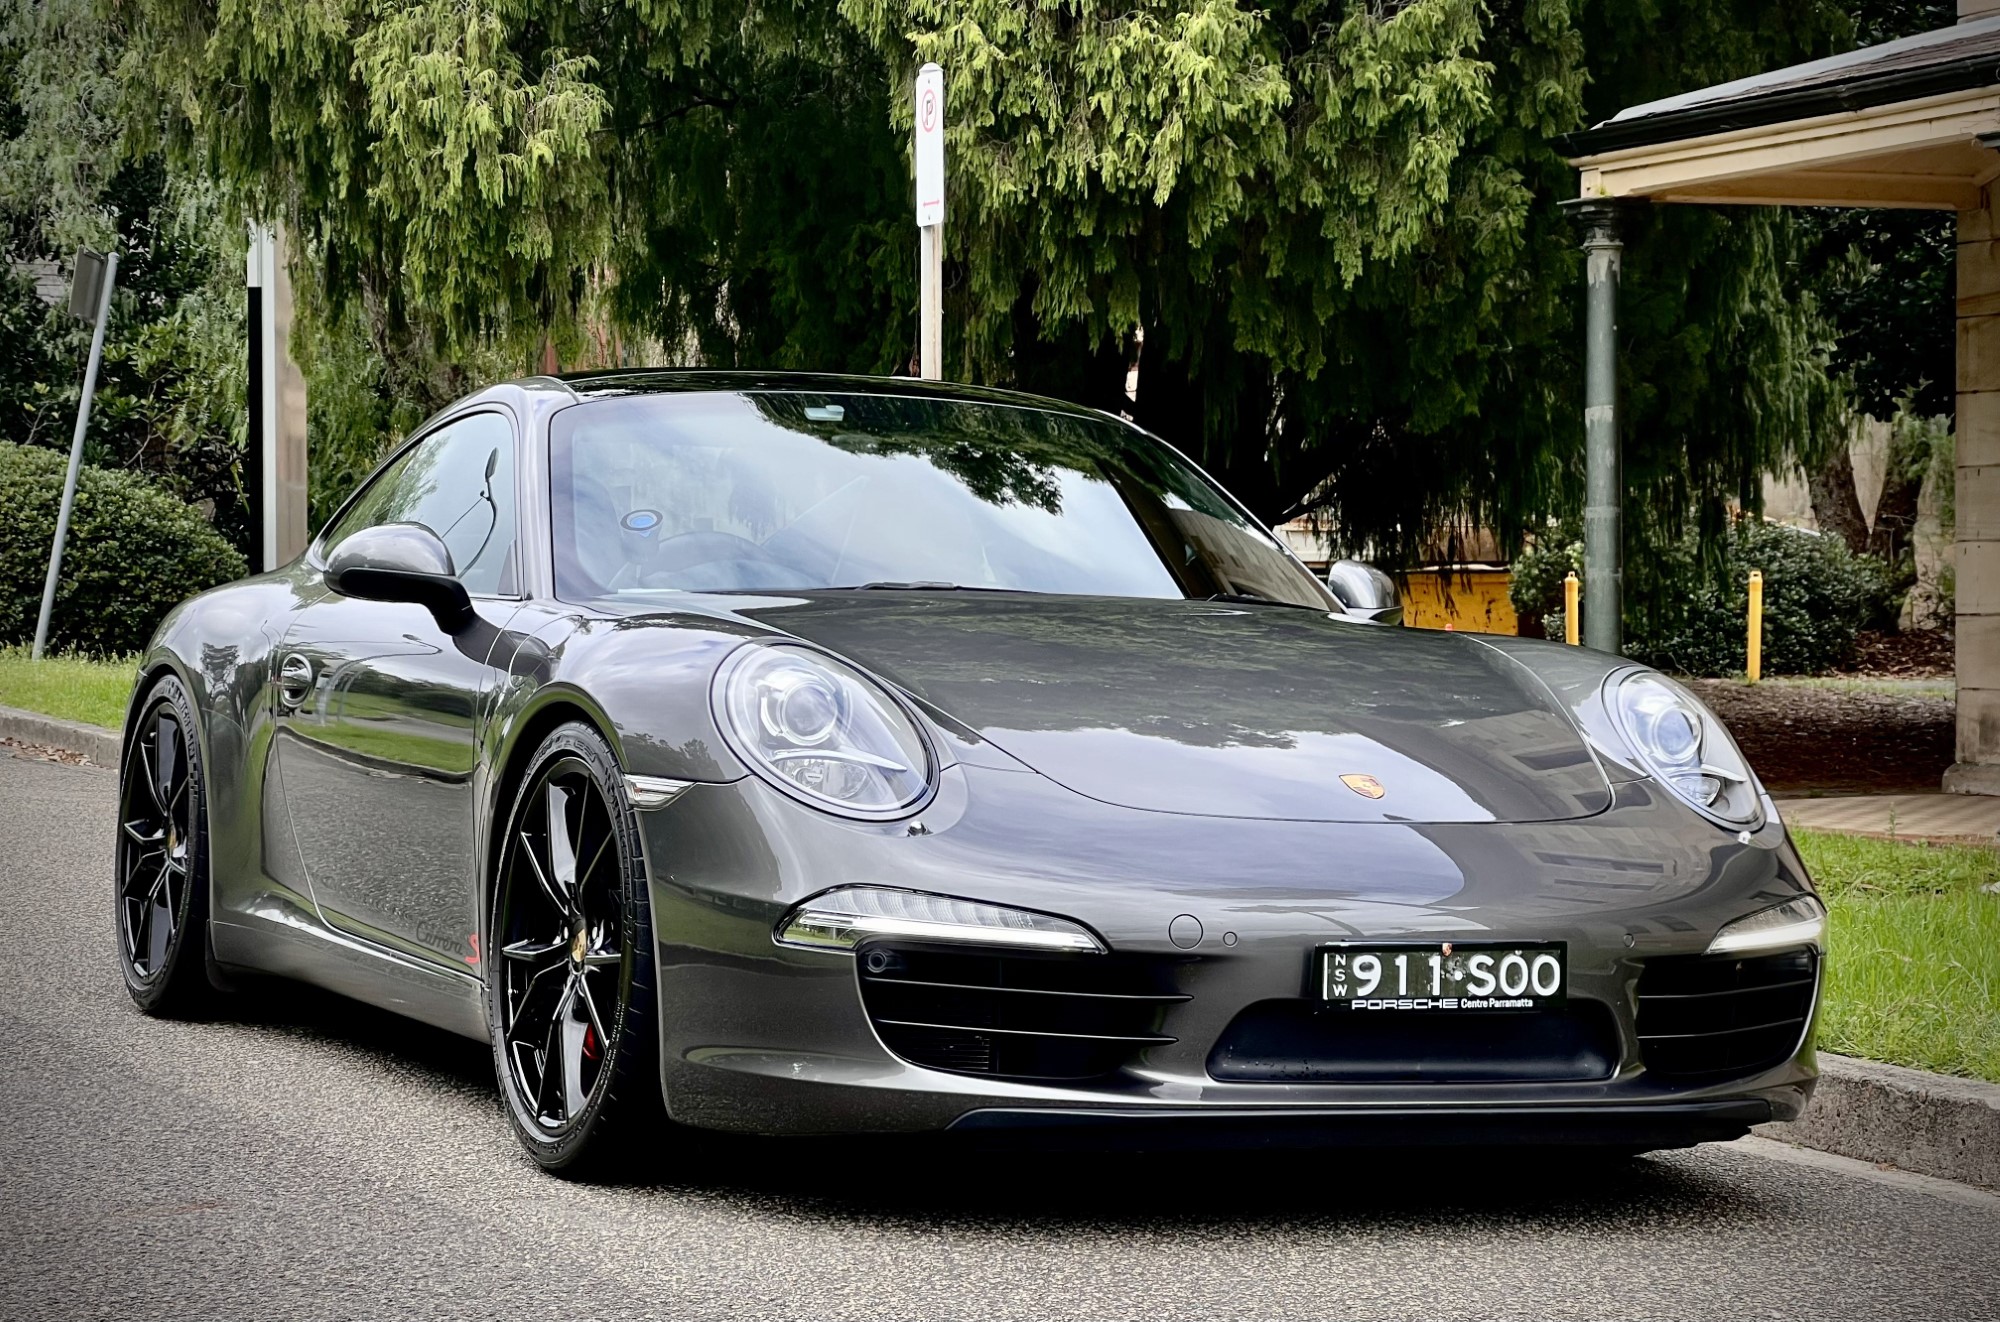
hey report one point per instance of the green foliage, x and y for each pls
(1535, 582)
(351, 422)
(170, 391)
(1689, 614)
(1884, 279)
(134, 551)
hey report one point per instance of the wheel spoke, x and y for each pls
(147, 775)
(596, 857)
(520, 1025)
(549, 1092)
(590, 1008)
(533, 952)
(575, 1096)
(173, 880)
(562, 845)
(176, 806)
(144, 833)
(138, 871)
(166, 760)
(161, 891)
(159, 930)
(548, 889)
(137, 910)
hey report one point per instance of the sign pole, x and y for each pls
(104, 272)
(930, 294)
(930, 222)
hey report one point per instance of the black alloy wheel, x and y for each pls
(162, 858)
(571, 980)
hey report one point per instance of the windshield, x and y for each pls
(789, 492)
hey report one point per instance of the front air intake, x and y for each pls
(1718, 1016)
(1014, 1015)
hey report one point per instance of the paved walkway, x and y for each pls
(1973, 818)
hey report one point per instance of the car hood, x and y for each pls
(1223, 710)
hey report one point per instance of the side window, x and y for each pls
(459, 483)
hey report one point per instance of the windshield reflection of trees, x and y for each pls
(1001, 455)
(1008, 454)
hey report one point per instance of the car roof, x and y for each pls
(642, 381)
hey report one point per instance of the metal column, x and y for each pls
(1604, 482)
(97, 304)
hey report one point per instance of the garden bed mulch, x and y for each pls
(1915, 654)
(1847, 738)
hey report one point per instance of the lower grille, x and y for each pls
(1294, 1041)
(1014, 1015)
(1712, 1016)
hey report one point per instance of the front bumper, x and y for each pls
(765, 1038)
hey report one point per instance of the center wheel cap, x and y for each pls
(577, 946)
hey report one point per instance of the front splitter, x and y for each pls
(1670, 1125)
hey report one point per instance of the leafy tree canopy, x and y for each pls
(1327, 233)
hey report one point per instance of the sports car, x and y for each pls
(800, 754)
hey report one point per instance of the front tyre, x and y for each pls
(161, 866)
(570, 985)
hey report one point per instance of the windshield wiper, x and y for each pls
(1252, 599)
(918, 585)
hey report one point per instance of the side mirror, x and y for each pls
(1365, 592)
(401, 562)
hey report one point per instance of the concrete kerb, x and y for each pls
(100, 745)
(1932, 1124)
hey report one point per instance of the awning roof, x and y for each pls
(1930, 64)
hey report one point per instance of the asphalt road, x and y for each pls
(306, 1157)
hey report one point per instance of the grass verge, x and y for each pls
(1913, 959)
(72, 687)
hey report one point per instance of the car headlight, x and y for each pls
(822, 731)
(841, 918)
(1797, 922)
(1682, 744)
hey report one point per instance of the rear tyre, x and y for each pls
(570, 980)
(161, 865)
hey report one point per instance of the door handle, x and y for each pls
(295, 681)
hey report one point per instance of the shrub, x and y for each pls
(1536, 584)
(133, 552)
(1691, 617)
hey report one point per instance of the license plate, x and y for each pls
(1443, 976)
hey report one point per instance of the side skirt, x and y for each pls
(283, 939)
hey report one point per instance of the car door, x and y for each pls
(378, 707)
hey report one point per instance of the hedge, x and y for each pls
(134, 552)
(1691, 617)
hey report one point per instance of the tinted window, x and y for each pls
(459, 483)
(792, 492)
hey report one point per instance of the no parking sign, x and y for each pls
(930, 146)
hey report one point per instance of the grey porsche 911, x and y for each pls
(805, 754)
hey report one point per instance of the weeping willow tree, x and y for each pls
(1327, 234)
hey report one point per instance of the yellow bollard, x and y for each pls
(1569, 608)
(1756, 644)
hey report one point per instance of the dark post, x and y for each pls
(1604, 495)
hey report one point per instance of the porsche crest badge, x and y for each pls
(1366, 786)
